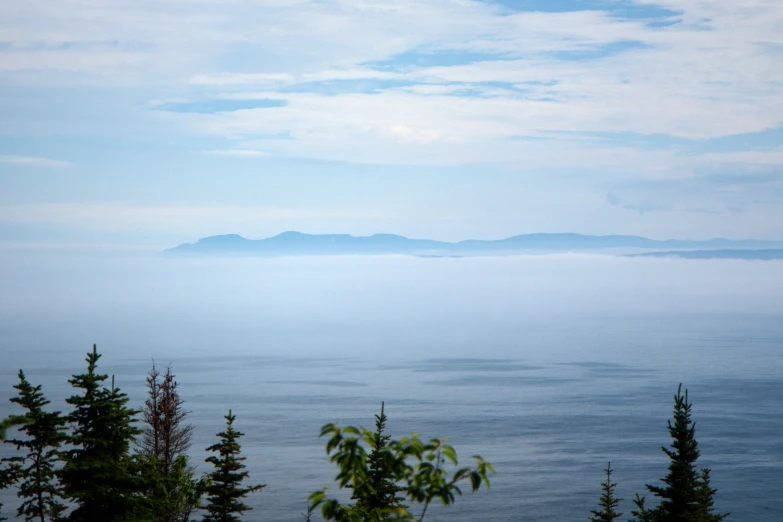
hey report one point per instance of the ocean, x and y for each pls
(548, 366)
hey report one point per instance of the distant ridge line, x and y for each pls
(294, 243)
(758, 254)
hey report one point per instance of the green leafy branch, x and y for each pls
(417, 466)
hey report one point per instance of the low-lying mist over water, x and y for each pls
(380, 307)
(548, 366)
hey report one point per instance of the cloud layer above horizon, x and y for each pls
(445, 118)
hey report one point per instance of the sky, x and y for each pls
(135, 125)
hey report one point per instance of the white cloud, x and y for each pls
(408, 134)
(33, 161)
(715, 73)
(397, 127)
(688, 82)
(762, 157)
(238, 153)
(244, 79)
(351, 74)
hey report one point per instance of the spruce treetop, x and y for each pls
(99, 475)
(36, 470)
(225, 493)
(608, 503)
(381, 498)
(685, 494)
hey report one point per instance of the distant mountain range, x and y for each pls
(761, 255)
(299, 244)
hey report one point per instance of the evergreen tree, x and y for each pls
(705, 494)
(176, 435)
(148, 445)
(382, 497)
(642, 513)
(225, 493)
(172, 487)
(46, 432)
(608, 502)
(8, 476)
(685, 495)
(9, 467)
(309, 515)
(99, 476)
(175, 496)
(10, 422)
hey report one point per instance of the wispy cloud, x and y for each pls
(238, 153)
(221, 105)
(242, 79)
(644, 207)
(522, 74)
(609, 93)
(518, 73)
(34, 161)
(640, 207)
(763, 157)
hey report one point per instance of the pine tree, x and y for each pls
(642, 513)
(172, 486)
(176, 435)
(174, 497)
(46, 432)
(382, 499)
(10, 422)
(678, 494)
(99, 476)
(225, 493)
(9, 467)
(148, 445)
(608, 502)
(685, 495)
(8, 476)
(705, 494)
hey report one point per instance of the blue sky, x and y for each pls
(139, 124)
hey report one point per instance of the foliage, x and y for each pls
(382, 495)
(10, 422)
(36, 469)
(175, 496)
(8, 476)
(705, 495)
(173, 488)
(642, 513)
(99, 476)
(309, 515)
(148, 445)
(105, 482)
(416, 466)
(166, 435)
(686, 494)
(608, 502)
(225, 492)
(10, 469)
